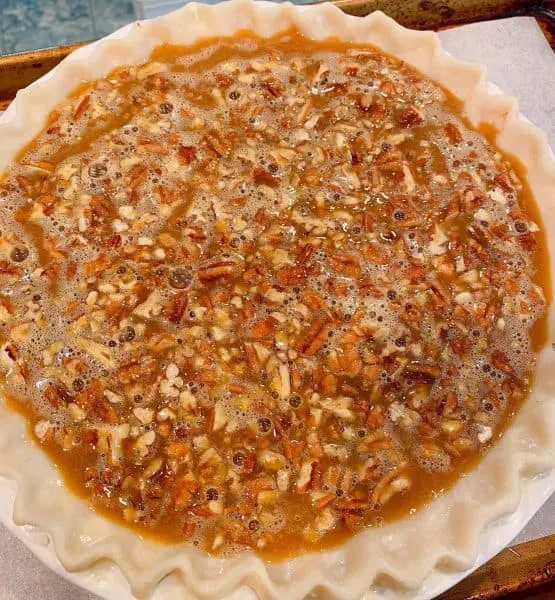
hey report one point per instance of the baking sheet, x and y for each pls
(522, 64)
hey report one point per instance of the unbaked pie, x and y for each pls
(266, 292)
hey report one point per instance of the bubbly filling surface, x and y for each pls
(266, 293)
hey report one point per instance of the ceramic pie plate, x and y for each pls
(415, 557)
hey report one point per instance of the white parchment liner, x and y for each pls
(442, 538)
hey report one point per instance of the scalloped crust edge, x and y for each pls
(392, 557)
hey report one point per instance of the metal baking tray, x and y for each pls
(520, 572)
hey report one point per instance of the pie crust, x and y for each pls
(376, 559)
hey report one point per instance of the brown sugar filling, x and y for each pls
(265, 293)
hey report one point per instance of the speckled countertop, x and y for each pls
(32, 24)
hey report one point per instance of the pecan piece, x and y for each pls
(376, 253)
(375, 109)
(338, 288)
(349, 504)
(261, 176)
(250, 464)
(263, 327)
(262, 217)
(304, 253)
(415, 275)
(100, 263)
(294, 450)
(251, 356)
(410, 117)
(500, 361)
(175, 308)
(345, 361)
(313, 299)
(527, 241)
(154, 147)
(135, 371)
(461, 345)
(187, 154)
(273, 89)
(166, 195)
(82, 107)
(137, 176)
(48, 202)
(221, 268)
(291, 276)
(346, 264)
(423, 370)
(453, 134)
(56, 395)
(315, 476)
(223, 80)
(440, 293)
(314, 338)
(6, 268)
(504, 182)
(216, 142)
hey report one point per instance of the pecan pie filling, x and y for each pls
(265, 293)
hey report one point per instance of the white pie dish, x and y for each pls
(453, 523)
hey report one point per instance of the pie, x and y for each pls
(264, 292)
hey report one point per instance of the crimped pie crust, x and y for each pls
(451, 524)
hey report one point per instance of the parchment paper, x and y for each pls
(522, 64)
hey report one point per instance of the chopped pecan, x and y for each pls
(304, 253)
(250, 464)
(410, 117)
(504, 182)
(134, 371)
(216, 142)
(261, 176)
(293, 450)
(82, 107)
(154, 148)
(263, 327)
(223, 80)
(166, 195)
(175, 308)
(346, 360)
(137, 176)
(341, 289)
(314, 338)
(453, 133)
(56, 395)
(376, 253)
(97, 265)
(251, 356)
(424, 370)
(499, 361)
(291, 276)
(346, 264)
(219, 268)
(273, 88)
(187, 154)
(7, 268)
(315, 476)
(313, 299)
